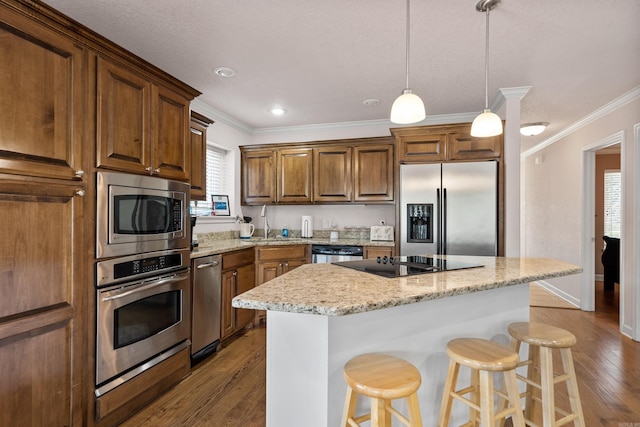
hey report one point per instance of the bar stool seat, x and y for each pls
(483, 357)
(541, 380)
(382, 378)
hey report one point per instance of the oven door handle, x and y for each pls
(155, 283)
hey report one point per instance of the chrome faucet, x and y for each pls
(263, 214)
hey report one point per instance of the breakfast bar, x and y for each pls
(321, 315)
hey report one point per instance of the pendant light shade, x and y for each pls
(487, 123)
(407, 108)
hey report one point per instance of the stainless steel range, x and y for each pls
(402, 266)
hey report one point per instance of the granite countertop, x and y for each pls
(332, 290)
(229, 245)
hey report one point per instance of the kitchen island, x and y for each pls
(321, 315)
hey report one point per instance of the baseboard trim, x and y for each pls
(558, 292)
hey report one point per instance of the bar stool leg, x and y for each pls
(548, 395)
(474, 396)
(487, 416)
(511, 386)
(380, 417)
(572, 386)
(413, 407)
(447, 401)
(349, 407)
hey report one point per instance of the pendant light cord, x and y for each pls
(407, 50)
(486, 65)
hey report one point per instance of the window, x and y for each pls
(217, 159)
(612, 203)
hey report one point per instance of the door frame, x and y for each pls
(587, 296)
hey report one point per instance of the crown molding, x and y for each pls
(608, 108)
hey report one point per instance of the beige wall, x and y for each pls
(553, 203)
(603, 162)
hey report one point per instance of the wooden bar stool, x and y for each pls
(484, 357)
(541, 380)
(382, 378)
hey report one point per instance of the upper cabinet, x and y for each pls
(341, 171)
(332, 179)
(198, 142)
(42, 101)
(294, 168)
(142, 126)
(258, 176)
(441, 143)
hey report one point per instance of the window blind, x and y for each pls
(612, 203)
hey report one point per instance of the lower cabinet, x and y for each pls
(273, 261)
(377, 251)
(238, 276)
(43, 332)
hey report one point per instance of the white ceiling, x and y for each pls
(321, 59)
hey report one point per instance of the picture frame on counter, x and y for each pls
(220, 205)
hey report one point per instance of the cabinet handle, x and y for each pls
(149, 169)
(79, 173)
(157, 170)
(80, 193)
(235, 272)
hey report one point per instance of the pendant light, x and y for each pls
(487, 123)
(408, 107)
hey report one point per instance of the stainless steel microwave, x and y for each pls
(137, 214)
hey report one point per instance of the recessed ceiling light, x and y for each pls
(225, 72)
(371, 102)
(533, 129)
(277, 111)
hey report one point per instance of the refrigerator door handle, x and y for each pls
(439, 224)
(444, 221)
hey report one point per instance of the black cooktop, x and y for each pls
(401, 266)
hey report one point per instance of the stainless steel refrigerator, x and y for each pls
(449, 209)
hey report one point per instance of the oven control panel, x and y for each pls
(138, 266)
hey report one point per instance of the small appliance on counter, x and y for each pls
(194, 238)
(381, 233)
(307, 226)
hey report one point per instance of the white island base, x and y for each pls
(306, 352)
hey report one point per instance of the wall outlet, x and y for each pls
(326, 224)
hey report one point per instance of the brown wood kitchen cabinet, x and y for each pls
(238, 276)
(294, 168)
(427, 144)
(198, 142)
(44, 120)
(377, 251)
(332, 178)
(336, 172)
(258, 176)
(142, 127)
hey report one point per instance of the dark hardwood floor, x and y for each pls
(228, 388)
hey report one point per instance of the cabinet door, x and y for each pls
(245, 281)
(198, 142)
(171, 149)
(268, 270)
(377, 251)
(123, 119)
(332, 174)
(373, 173)
(258, 177)
(228, 324)
(421, 147)
(42, 327)
(463, 146)
(294, 168)
(291, 264)
(42, 100)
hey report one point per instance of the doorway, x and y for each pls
(590, 239)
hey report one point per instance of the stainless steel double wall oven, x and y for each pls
(143, 292)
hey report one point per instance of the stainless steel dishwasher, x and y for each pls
(205, 313)
(321, 254)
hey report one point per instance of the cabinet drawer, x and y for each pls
(283, 252)
(235, 259)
